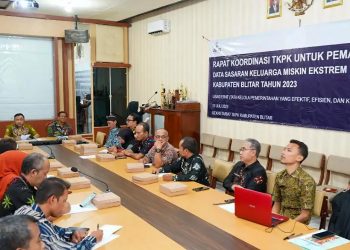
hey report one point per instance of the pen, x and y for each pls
(292, 236)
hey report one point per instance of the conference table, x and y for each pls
(152, 220)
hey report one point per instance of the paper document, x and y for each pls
(103, 151)
(228, 207)
(78, 209)
(88, 156)
(108, 234)
(161, 175)
(307, 242)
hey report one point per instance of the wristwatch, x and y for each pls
(158, 150)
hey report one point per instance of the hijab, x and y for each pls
(127, 135)
(10, 168)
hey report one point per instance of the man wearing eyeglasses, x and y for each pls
(248, 172)
(132, 120)
(162, 153)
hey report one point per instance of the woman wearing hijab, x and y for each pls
(10, 168)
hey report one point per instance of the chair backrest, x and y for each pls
(100, 138)
(221, 169)
(207, 144)
(264, 154)
(271, 180)
(321, 207)
(314, 165)
(338, 171)
(274, 162)
(222, 147)
(235, 147)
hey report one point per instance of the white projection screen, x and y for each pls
(26, 78)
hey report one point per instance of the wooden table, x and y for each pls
(191, 220)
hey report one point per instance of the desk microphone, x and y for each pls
(74, 169)
(51, 156)
(147, 104)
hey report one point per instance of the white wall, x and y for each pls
(181, 57)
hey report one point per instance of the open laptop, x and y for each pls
(256, 207)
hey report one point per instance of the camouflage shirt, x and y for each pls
(295, 191)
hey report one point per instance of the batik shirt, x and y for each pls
(15, 132)
(191, 169)
(18, 193)
(55, 237)
(168, 154)
(112, 139)
(55, 129)
(143, 147)
(295, 192)
(251, 177)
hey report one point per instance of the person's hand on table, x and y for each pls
(155, 171)
(98, 234)
(78, 235)
(167, 177)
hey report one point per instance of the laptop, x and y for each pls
(256, 207)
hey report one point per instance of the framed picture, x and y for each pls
(331, 3)
(274, 8)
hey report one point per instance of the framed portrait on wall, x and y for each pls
(331, 3)
(274, 8)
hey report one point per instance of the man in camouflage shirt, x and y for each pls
(22, 189)
(294, 191)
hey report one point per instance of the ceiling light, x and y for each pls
(25, 4)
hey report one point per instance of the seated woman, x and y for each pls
(340, 219)
(126, 141)
(59, 127)
(10, 168)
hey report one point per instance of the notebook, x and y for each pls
(256, 207)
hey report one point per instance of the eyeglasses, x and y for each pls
(242, 149)
(129, 120)
(161, 136)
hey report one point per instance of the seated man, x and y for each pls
(7, 144)
(19, 130)
(22, 189)
(340, 219)
(143, 142)
(20, 232)
(126, 139)
(132, 120)
(162, 153)
(248, 172)
(189, 167)
(59, 127)
(294, 191)
(51, 201)
(112, 139)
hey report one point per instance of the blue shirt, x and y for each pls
(112, 139)
(55, 237)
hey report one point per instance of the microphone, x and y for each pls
(74, 169)
(150, 98)
(51, 156)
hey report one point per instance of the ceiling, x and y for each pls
(114, 10)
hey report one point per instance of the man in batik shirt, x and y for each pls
(19, 130)
(162, 153)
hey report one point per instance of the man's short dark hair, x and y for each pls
(52, 186)
(33, 161)
(190, 144)
(61, 112)
(7, 144)
(18, 114)
(254, 144)
(135, 117)
(303, 150)
(145, 126)
(15, 232)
